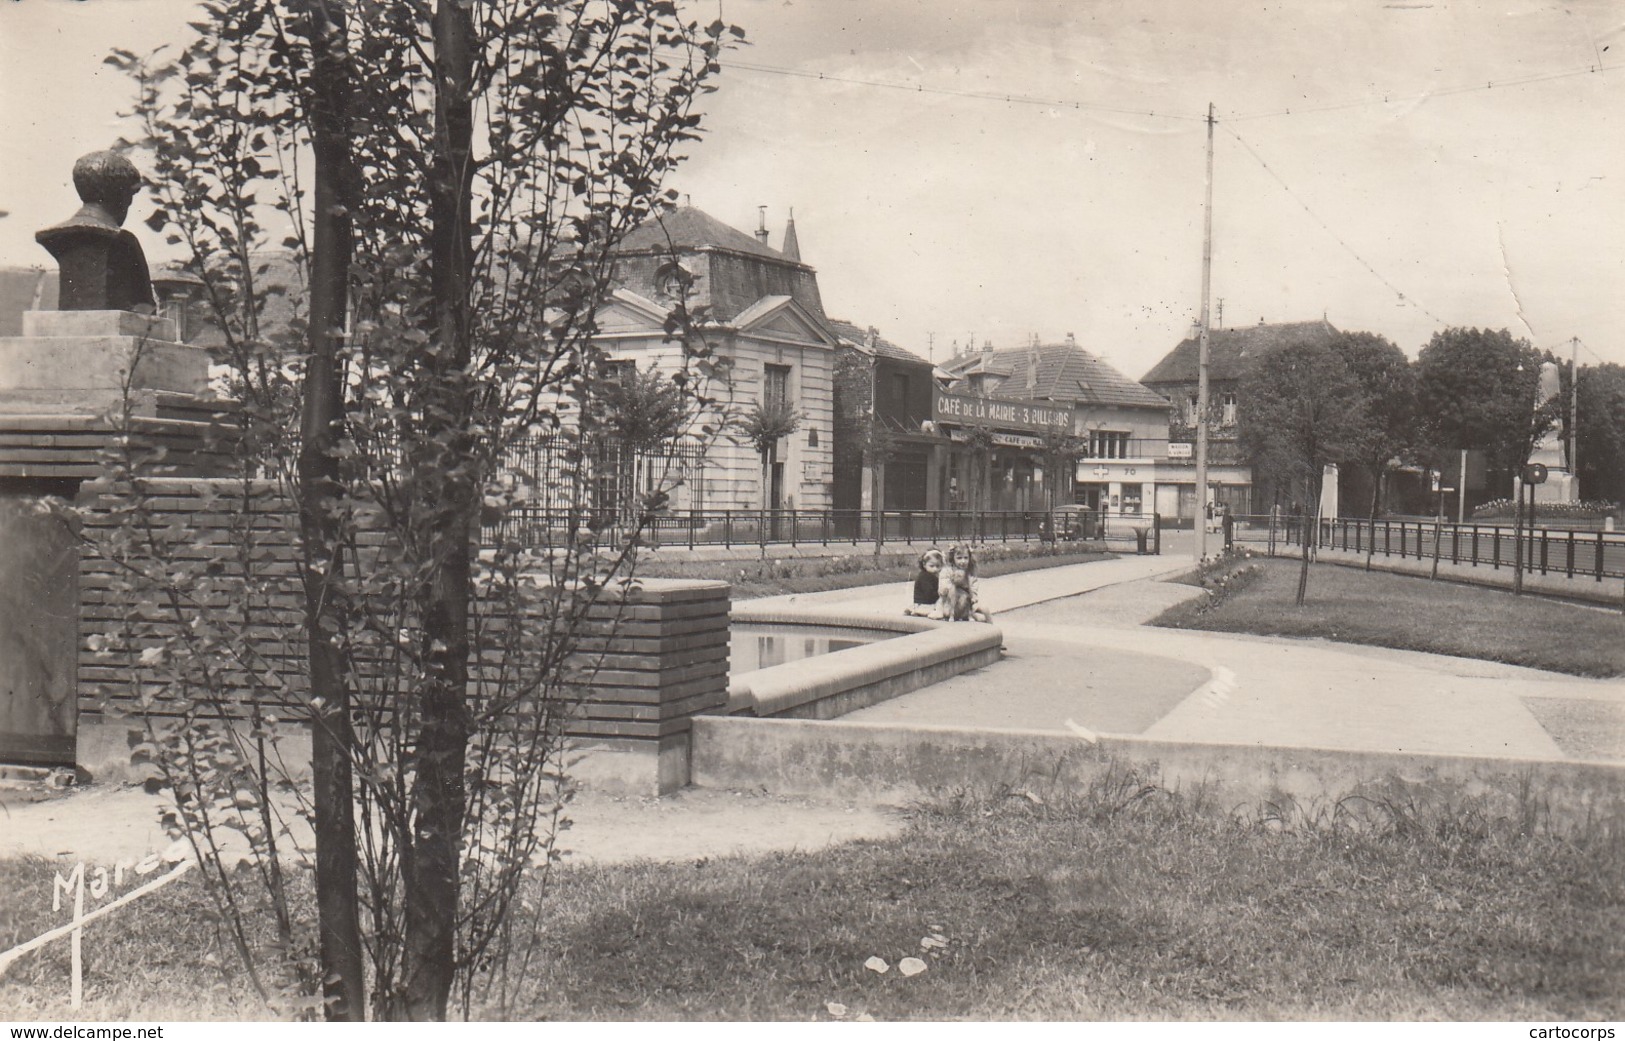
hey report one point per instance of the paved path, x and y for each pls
(999, 594)
(1079, 655)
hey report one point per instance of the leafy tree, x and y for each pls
(475, 165)
(644, 413)
(763, 425)
(1601, 429)
(644, 408)
(1388, 391)
(1477, 389)
(1300, 410)
(979, 444)
(1061, 449)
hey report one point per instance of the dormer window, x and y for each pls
(673, 281)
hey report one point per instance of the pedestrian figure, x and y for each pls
(927, 591)
(959, 596)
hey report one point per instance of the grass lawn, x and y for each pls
(752, 577)
(1386, 610)
(1118, 903)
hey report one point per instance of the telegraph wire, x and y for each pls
(980, 95)
(1013, 98)
(1387, 99)
(1403, 298)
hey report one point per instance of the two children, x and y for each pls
(945, 587)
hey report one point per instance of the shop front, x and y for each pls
(1116, 488)
(994, 456)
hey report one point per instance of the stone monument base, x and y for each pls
(78, 362)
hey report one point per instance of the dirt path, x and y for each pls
(106, 823)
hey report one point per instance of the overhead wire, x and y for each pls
(981, 95)
(1386, 99)
(1014, 98)
(1403, 297)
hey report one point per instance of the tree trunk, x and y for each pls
(448, 504)
(320, 500)
(877, 487)
(1311, 530)
(1371, 530)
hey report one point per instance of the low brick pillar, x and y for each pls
(661, 655)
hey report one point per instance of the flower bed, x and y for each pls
(1504, 509)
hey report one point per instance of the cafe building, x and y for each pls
(1003, 404)
(993, 455)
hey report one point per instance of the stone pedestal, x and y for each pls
(78, 362)
(64, 385)
(39, 633)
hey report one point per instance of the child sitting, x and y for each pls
(926, 592)
(958, 595)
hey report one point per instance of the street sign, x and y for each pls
(1534, 473)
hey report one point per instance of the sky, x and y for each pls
(1396, 167)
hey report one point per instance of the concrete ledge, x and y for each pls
(104, 745)
(630, 767)
(620, 766)
(831, 685)
(899, 763)
(98, 323)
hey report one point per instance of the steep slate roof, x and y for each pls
(688, 228)
(1231, 351)
(17, 288)
(1066, 373)
(883, 348)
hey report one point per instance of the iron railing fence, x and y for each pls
(727, 528)
(612, 477)
(1570, 552)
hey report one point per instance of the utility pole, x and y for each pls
(1574, 416)
(1201, 351)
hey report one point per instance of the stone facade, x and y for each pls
(764, 319)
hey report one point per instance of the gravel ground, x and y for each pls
(1583, 728)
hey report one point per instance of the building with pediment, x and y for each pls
(761, 312)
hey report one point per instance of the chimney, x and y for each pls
(761, 224)
(1071, 341)
(1032, 370)
(792, 246)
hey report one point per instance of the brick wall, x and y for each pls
(651, 656)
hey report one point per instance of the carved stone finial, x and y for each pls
(103, 266)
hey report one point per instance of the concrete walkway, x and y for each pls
(1078, 656)
(999, 594)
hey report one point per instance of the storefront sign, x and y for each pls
(1088, 473)
(959, 409)
(1002, 440)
